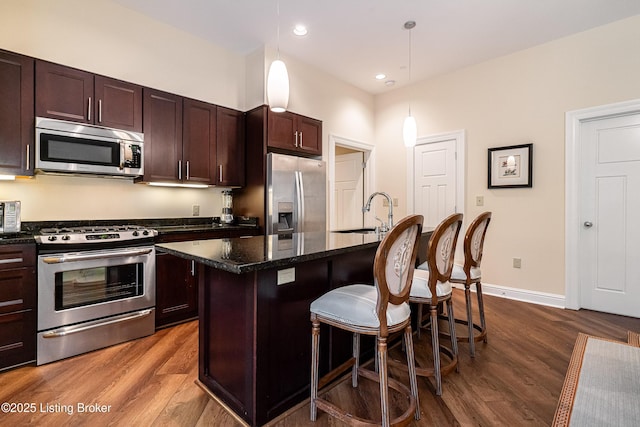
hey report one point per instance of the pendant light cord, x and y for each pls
(278, 30)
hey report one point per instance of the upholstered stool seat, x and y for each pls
(470, 274)
(356, 305)
(378, 310)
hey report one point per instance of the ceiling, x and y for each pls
(356, 39)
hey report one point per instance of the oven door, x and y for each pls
(85, 286)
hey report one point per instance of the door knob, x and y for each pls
(588, 224)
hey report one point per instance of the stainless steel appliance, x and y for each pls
(9, 216)
(68, 147)
(296, 194)
(96, 288)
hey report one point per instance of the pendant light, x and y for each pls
(278, 79)
(409, 129)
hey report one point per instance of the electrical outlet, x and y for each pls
(195, 210)
(517, 263)
(395, 202)
(479, 200)
(385, 203)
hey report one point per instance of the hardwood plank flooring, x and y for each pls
(515, 379)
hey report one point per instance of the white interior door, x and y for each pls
(348, 191)
(435, 180)
(609, 240)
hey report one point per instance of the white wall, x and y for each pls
(516, 99)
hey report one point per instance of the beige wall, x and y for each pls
(82, 34)
(516, 99)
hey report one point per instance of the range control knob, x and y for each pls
(52, 238)
(66, 237)
(135, 233)
(145, 232)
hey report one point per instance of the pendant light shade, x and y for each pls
(409, 131)
(278, 87)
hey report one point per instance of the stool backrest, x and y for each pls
(394, 264)
(474, 241)
(441, 251)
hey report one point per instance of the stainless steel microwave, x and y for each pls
(69, 147)
(9, 216)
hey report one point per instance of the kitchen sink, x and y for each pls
(358, 230)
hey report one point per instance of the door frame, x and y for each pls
(368, 173)
(460, 137)
(573, 150)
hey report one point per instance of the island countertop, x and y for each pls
(245, 254)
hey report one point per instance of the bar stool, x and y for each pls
(377, 310)
(469, 274)
(431, 286)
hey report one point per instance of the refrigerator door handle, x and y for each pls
(299, 201)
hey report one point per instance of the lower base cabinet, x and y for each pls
(17, 305)
(176, 290)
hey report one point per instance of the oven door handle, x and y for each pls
(68, 330)
(101, 255)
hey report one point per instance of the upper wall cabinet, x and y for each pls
(294, 133)
(17, 133)
(199, 142)
(230, 148)
(75, 95)
(162, 136)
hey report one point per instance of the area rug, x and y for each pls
(602, 385)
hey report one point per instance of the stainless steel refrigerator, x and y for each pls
(296, 194)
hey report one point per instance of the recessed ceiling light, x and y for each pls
(300, 30)
(381, 76)
(390, 82)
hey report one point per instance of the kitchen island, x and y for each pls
(254, 328)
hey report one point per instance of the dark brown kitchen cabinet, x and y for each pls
(162, 136)
(69, 94)
(16, 114)
(176, 290)
(199, 142)
(295, 133)
(230, 148)
(17, 305)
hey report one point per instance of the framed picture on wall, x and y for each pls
(511, 167)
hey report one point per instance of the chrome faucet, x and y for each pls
(367, 208)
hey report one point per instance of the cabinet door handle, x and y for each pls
(301, 139)
(99, 110)
(193, 268)
(28, 157)
(296, 143)
(221, 173)
(89, 110)
(187, 170)
(179, 169)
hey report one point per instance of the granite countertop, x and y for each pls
(246, 254)
(16, 238)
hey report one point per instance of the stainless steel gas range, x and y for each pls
(96, 288)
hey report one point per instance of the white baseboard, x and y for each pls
(533, 297)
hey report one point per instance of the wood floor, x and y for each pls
(515, 379)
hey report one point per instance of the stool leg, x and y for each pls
(356, 356)
(483, 323)
(472, 341)
(384, 387)
(411, 362)
(315, 358)
(435, 342)
(452, 332)
(419, 319)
